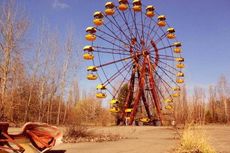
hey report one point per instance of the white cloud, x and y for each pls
(57, 4)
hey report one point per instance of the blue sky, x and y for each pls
(203, 26)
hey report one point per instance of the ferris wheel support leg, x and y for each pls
(154, 92)
(130, 94)
(146, 104)
(140, 90)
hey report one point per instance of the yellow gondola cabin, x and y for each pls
(91, 73)
(176, 88)
(114, 101)
(168, 100)
(171, 33)
(88, 56)
(101, 95)
(90, 36)
(177, 44)
(114, 110)
(180, 65)
(175, 95)
(161, 21)
(109, 8)
(88, 48)
(145, 119)
(137, 6)
(123, 5)
(169, 107)
(177, 48)
(98, 18)
(92, 76)
(180, 74)
(180, 80)
(92, 68)
(180, 59)
(150, 11)
(128, 110)
(101, 91)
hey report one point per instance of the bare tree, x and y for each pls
(13, 26)
(68, 52)
(199, 105)
(212, 108)
(223, 92)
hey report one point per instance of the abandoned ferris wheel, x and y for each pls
(132, 44)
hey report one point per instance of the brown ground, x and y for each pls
(147, 140)
(140, 140)
(219, 137)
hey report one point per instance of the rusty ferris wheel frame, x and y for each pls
(135, 46)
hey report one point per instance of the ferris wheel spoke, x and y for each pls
(152, 38)
(169, 66)
(163, 82)
(133, 16)
(164, 73)
(170, 46)
(116, 74)
(160, 38)
(168, 75)
(159, 91)
(123, 81)
(120, 60)
(108, 48)
(112, 43)
(155, 71)
(164, 58)
(167, 70)
(116, 37)
(108, 52)
(150, 30)
(142, 26)
(126, 23)
(125, 20)
(135, 25)
(169, 56)
(155, 32)
(118, 27)
(130, 31)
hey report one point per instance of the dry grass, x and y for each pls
(77, 134)
(194, 140)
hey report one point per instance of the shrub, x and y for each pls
(75, 134)
(194, 140)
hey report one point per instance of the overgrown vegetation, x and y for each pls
(194, 140)
(38, 78)
(210, 105)
(75, 134)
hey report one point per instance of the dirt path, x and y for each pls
(140, 140)
(219, 137)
